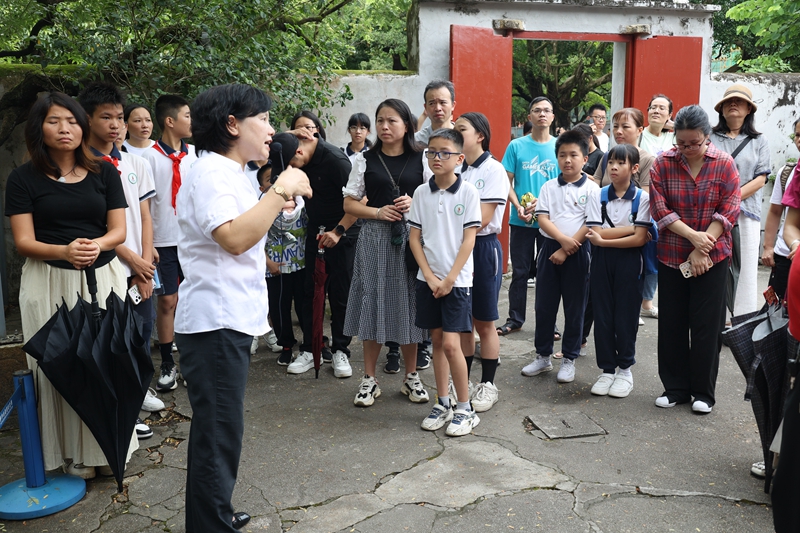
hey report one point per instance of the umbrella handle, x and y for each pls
(320, 248)
(91, 280)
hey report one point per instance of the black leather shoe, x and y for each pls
(240, 520)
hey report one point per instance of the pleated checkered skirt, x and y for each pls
(381, 305)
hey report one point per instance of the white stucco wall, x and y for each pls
(592, 16)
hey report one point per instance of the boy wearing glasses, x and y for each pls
(445, 216)
(598, 114)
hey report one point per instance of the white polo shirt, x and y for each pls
(489, 176)
(220, 290)
(442, 215)
(165, 220)
(137, 182)
(135, 150)
(565, 203)
(618, 209)
(777, 199)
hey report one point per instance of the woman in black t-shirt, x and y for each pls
(381, 306)
(67, 212)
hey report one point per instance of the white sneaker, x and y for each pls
(84, 472)
(759, 469)
(143, 431)
(486, 395)
(701, 407)
(622, 386)
(412, 387)
(151, 403)
(641, 322)
(302, 364)
(367, 392)
(341, 365)
(539, 365)
(174, 347)
(451, 391)
(462, 424)
(649, 313)
(603, 384)
(566, 372)
(272, 342)
(440, 415)
(254, 346)
(664, 403)
(531, 282)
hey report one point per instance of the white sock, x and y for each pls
(626, 372)
(444, 400)
(464, 406)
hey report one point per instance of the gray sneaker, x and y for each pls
(566, 374)
(539, 365)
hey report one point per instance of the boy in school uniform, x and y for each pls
(170, 158)
(104, 104)
(445, 214)
(563, 264)
(618, 216)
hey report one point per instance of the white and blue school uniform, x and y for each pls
(490, 179)
(565, 204)
(616, 277)
(442, 215)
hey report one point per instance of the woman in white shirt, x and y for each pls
(222, 301)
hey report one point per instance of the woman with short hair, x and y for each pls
(695, 201)
(222, 302)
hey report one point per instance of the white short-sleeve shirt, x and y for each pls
(137, 182)
(490, 178)
(618, 209)
(165, 218)
(565, 203)
(220, 290)
(135, 150)
(777, 199)
(442, 215)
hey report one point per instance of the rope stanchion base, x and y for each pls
(20, 502)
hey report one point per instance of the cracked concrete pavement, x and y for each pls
(312, 462)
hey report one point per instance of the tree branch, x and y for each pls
(44, 22)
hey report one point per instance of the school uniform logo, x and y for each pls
(133, 178)
(459, 209)
(582, 199)
(480, 184)
(630, 218)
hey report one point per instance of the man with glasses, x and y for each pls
(530, 161)
(597, 114)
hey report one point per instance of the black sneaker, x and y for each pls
(143, 431)
(327, 355)
(285, 357)
(392, 361)
(423, 359)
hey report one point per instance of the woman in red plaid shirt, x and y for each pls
(694, 198)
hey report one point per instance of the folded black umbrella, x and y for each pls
(758, 342)
(98, 361)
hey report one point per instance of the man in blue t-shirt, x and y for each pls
(530, 161)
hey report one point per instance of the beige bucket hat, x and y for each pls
(737, 90)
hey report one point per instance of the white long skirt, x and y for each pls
(747, 290)
(64, 436)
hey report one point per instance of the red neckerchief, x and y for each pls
(114, 161)
(176, 170)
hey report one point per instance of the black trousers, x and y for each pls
(283, 290)
(568, 281)
(616, 283)
(215, 365)
(691, 315)
(524, 242)
(337, 287)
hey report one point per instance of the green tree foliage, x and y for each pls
(773, 25)
(573, 74)
(153, 47)
(377, 32)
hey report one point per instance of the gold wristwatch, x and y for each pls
(282, 192)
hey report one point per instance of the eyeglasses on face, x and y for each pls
(540, 111)
(444, 156)
(598, 118)
(690, 146)
(356, 129)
